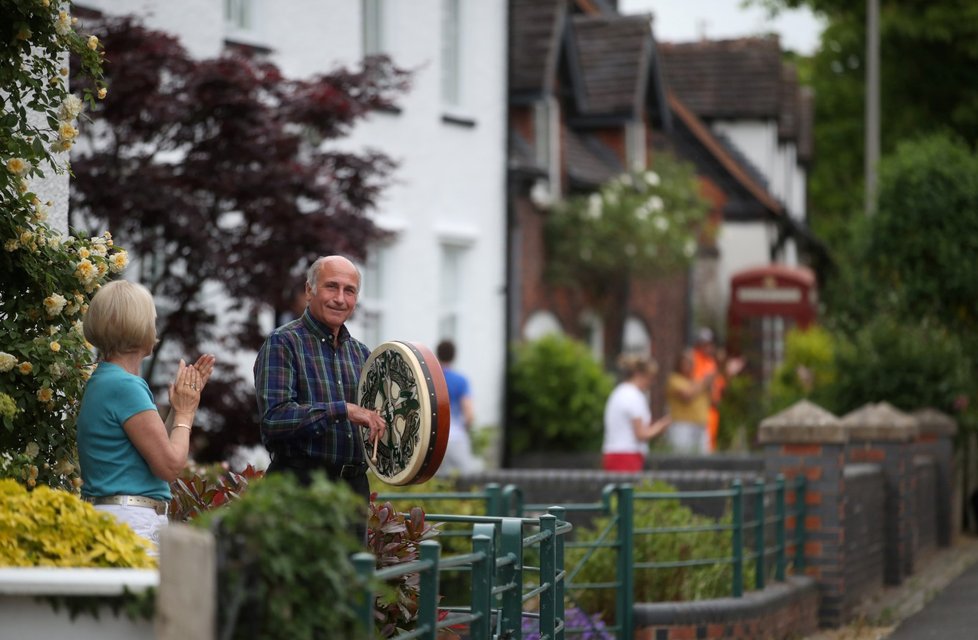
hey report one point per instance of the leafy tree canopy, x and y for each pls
(218, 174)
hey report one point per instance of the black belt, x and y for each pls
(344, 471)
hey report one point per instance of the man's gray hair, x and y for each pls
(313, 270)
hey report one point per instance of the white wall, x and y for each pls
(742, 245)
(450, 182)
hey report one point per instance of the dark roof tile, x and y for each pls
(589, 162)
(726, 78)
(535, 34)
(613, 55)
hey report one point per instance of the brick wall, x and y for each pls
(786, 610)
(864, 537)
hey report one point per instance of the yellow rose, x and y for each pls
(45, 394)
(55, 346)
(25, 367)
(93, 42)
(18, 166)
(83, 253)
(101, 93)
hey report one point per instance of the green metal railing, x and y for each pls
(760, 542)
(499, 591)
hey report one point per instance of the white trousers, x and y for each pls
(144, 521)
(687, 437)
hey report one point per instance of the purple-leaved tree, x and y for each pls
(219, 178)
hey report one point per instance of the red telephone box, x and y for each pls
(765, 303)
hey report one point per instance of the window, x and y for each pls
(593, 328)
(373, 27)
(547, 139)
(450, 295)
(451, 53)
(637, 339)
(540, 324)
(635, 146)
(239, 15)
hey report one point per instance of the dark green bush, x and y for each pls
(285, 570)
(557, 397)
(908, 364)
(658, 585)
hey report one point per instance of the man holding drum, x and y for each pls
(306, 377)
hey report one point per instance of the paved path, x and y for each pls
(951, 615)
(940, 600)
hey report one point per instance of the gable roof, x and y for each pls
(612, 55)
(733, 167)
(726, 78)
(536, 31)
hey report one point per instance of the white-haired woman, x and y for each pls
(128, 453)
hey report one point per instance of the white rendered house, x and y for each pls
(442, 275)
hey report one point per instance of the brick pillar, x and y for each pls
(806, 440)
(936, 439)
(881, 434)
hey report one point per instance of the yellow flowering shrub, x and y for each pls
(53, 528)
(46, 279)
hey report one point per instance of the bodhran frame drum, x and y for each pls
(404, 383)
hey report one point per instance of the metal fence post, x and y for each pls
(511, 576)
(494, 500)
(428, 597)
(365, 563)
(759, 514)
(482, 573)
(781, 515)
(626, 561)
(737, 539)
(560, 577)
(512, 501)
(548, 575)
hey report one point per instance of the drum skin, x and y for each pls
(404, 383)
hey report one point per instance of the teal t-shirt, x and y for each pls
(110, 464)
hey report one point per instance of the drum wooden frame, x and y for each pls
(404, 383)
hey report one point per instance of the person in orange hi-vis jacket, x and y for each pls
(705, 363)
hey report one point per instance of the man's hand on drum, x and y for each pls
(368, 418)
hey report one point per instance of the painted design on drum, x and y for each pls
(390, 388)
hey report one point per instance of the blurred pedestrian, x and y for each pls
(628, 425)
(689, 405)
(458, 456)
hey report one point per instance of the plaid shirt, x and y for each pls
(303, 384)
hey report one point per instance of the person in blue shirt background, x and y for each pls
(458, 455)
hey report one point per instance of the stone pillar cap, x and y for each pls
(880, 422)
(934, 422)
(803, 422)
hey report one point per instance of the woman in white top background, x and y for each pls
(628, 424)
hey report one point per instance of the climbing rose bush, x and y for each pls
(46, 278)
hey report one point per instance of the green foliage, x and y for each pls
(287, 571)
(923, 238)
(658, 585)
(742, 408)
(644, 222)
(910, 365)
(395, 539)
(557, 398)
(201, 488)
(53, 528)
(46, 280)
(807, 371)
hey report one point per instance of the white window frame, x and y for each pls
(453, 265)
(452, 56)
(373, 13)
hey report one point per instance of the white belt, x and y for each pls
(160, 506)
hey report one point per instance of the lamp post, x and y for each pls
(872, 101)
